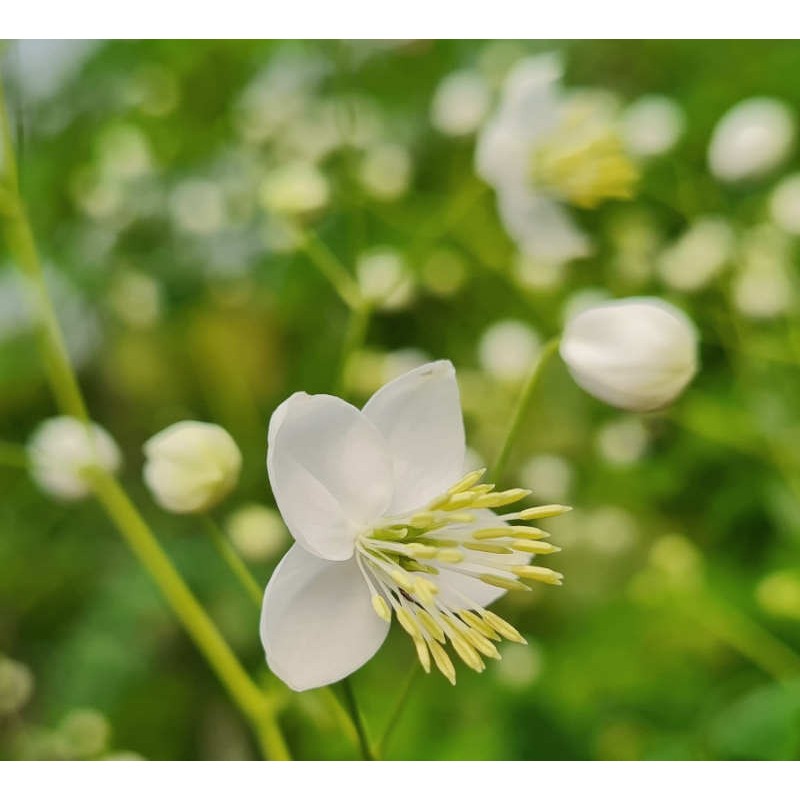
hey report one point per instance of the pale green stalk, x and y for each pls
(397, 712)
(233, 560)
(351, 704)
(521, 409)
(244, 692)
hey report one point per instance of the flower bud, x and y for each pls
(637, 354)
(190, 466)
(62, 448)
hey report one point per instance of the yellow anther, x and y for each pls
(483, 488)
(467, 482)
(481, 643)
(466, 652)
(485, 547)
(408, 622)
(422, 654)
(430, 625)
(381, 607)
(460, 500)
(527, 532)
(461, 517)
(402, 579)
(443, 661)
(540, 512)
(450, 556)
(478, 624)
(497, 499)
(426, 590)
(493, 533)
(504, 583)
(416, 550)
(541, 574)
(505, 629)
(538, 548)
(422, 519)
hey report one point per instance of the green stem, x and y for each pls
(330, 266)
(107, 490)
(234, 561)
(397, 712)
(244, 692)
(353, 339)
(351, 705)
(521, 409)
(747, 637)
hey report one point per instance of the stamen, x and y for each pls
(443, 661)
(539, 512)
(542, 574)
(381, 608)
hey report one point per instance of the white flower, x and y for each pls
(460, 103)
(698, 255)
(751, 139)
(385, 171)
(507, 350)
(257, 532)
(784, 204)
(652, 125)
(384, 278)
(638, 353)
(60, 451)
(298, 187)
(190, 466)
(542, 149)
(385, 522)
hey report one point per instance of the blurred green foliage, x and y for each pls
(182, 302)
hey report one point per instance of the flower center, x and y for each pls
(584, 162)
(412, 563)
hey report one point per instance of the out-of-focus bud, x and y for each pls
(779, 594)
(86, 733)
(16, 685)
(508, 350)
(190, 466)
(384, 278)
(385, 172)
(460, 103)
(298, 187)
(652, 125)
(257, 532)
(60, 451)
(784, 204)
(751, 139)
(638, 353)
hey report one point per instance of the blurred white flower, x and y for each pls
(62, 448)
(784, 204)
(549, 477)
(638, 353)
(507, 350)
(610, 529)
(86, 733)
(751, 139)
(623, 441)
(698, 255)
(460, 103)
(124, 152)
(652, 125)
(385, 522)
(384, 278)
(544, 148)
(197, 205)
(257, 532)
(520, 666)
(385, 171)
(399, 362)
(762, 287)
(136, 298)
(190, 466)
(538, 275)
(297, 187)
(16, 685)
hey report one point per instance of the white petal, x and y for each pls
(541, 228)
(419, 414)
(329, 471)
(317, 621)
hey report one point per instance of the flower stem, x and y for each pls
(397, 712)
(522, 407)
(110, 494)
(351, 705)
(353, 339)
(330, 266)
(244, 692)
(233, 560)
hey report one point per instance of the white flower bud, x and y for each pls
(61, 449)
(751, 139)
(190, 466)
(638, 353)
(257, 532)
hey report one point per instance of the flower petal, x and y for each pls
(329, 470)
(317, 621)
(419, 415)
